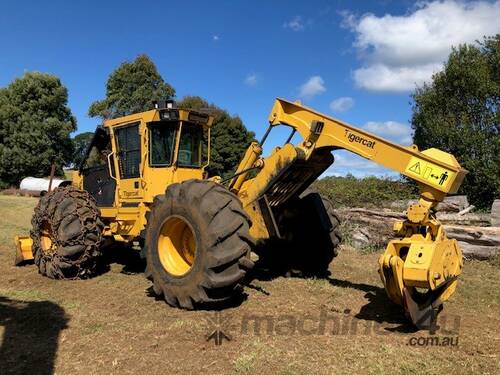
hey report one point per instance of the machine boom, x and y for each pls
(421, 257)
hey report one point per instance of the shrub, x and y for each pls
(364, 192)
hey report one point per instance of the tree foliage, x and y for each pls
(457, 113)
(80, 144)
(370, 191)
(230, 137)
(35, 127)
(131, 88)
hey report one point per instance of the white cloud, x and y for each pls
(342, 104)
(251, 80)
(314, 86)
(361, 173)
(387, 128)
(215, 38)
(401, 51)
(295, 24)
(392, 130)
(353, 161)
(380, 77)
(348, 163)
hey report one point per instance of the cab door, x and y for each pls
(128, 154)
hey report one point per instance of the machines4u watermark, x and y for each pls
(221, 327)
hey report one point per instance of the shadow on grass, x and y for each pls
(123, 254)
(379, 308)
(31, 333)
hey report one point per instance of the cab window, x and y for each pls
(100, 147)
(161, 143)
(190, 146)
(129, 146)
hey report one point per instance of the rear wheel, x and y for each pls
(197, 244)
(318, 236)
(66, 233)
(310, 230)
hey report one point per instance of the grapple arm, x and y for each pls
(422, 258)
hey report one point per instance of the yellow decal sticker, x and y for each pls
(430, 172)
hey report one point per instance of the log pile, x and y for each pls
(476, 242)
(474, 232)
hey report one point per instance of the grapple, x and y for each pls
(419, 270)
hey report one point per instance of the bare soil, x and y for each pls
(342, 324)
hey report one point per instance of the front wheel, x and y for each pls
(66, 233)
(197, 244)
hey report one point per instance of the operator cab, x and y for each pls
(152, 145)
(162, 142)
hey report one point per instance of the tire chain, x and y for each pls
(89, 220)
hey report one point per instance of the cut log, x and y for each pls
(495, 213)
(454, 203)
(466, 210)
(470, 251)
(475, 219)
(483, 236)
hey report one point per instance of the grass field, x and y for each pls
(344, 324)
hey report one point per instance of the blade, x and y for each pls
(424, 308)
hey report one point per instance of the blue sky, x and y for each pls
(356, 60)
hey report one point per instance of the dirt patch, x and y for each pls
(342, 324)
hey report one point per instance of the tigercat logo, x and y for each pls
(359, 139)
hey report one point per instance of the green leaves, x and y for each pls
(369, 191)
(80, 144)
(35, 121)
(35, 127)
(457, 113)
(230, 138)
(131, 88)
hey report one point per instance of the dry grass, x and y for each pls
(110, 324)
(15, 217)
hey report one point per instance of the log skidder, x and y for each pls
(66, 233)
(147, 173)
(197, 245)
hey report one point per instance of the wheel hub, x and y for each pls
(176, 246)
(46, 242)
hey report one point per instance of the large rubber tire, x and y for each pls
(311, 236)
(223, 244)
(71, 219)
(319, 236)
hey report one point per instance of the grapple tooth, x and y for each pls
(424, 312)
(423, 316)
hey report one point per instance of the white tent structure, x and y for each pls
(39, 185)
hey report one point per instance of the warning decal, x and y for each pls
(433, 174)
(415, 168)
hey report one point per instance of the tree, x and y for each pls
(35, 127)
(230, 137)
(457, 112)
(80, 144)
(131, 88)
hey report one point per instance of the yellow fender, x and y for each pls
(23, 249)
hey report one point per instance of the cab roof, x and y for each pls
(163, 114)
